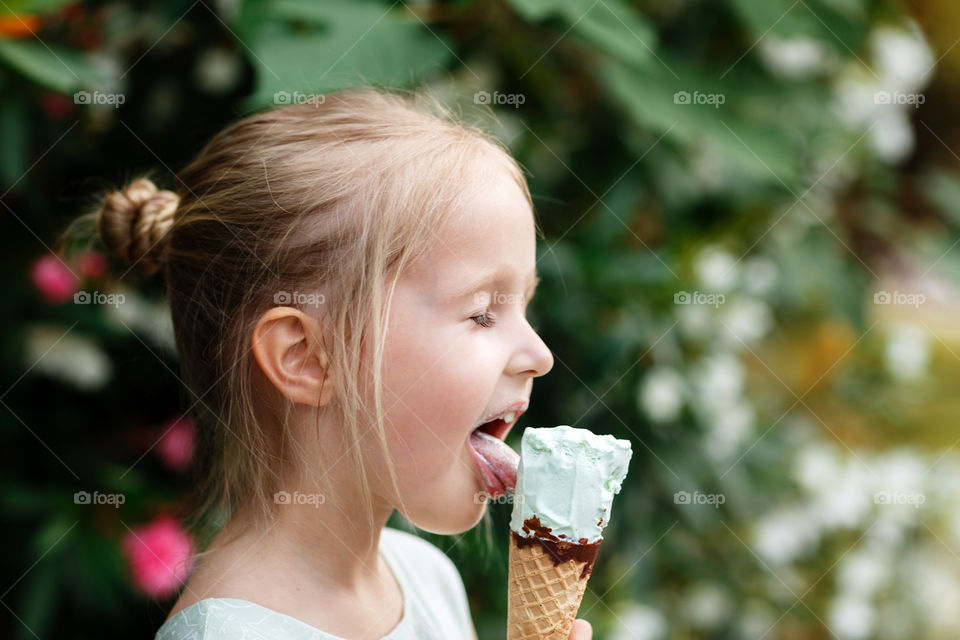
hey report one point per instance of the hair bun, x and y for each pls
(133, 223)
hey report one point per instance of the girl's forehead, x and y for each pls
(493, 230)
(492, 210)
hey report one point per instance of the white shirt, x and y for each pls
(434, 604)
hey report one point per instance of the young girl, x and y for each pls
(348, 280)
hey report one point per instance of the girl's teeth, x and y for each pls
(509, 417)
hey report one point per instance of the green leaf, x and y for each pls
(32, 6)
(617, 29)
(783, 18)
(852, 9)
(98, 575)
(359, 43)
(654, 101)
(811, 18)
(54, 67)
(54, 537)
(942, 189)
(534, 10)
(609, 25)
(15, 124)
(39, 600)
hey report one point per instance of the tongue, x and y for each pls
(497, 462)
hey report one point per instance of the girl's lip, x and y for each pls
(516, 408)
(501, 429)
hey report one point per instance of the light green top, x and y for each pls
(567, 478)
(434, 604)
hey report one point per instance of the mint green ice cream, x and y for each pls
(567, 478)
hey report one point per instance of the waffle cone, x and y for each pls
(543, 598)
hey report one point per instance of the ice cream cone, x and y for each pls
(565, 485)
(543, 595)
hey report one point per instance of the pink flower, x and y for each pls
(177, 443)
(160, 555)
(93, 264)
(52, 278)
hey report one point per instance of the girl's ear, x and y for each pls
(288, 345)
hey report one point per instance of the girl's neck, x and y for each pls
(323, 544)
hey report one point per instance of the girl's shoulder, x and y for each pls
(431, 581)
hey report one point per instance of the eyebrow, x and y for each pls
(494, 277)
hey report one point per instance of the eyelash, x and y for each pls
(488, 319)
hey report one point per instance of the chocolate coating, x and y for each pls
(560, 550)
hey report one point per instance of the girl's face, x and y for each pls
(458, 349)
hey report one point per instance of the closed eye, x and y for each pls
(484, 319)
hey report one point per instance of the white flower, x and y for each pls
(696, 321)
(218, 69)
(932, 584)
(716, 269)
(707, 606)
(901, 56)
(795, 57)
(892, 136)
(849, 501)
(901, 470)
(907, 352)
(760, 275)
(719, 378)
(728, 426)
(68, 356)
(142, 315)
(758, 619)
(638, 622)
(851, 618)
(864, 571)
(786, 534)
(662, 393)
(881, 97)
(817, 467)
(855, 98)
(747, 320)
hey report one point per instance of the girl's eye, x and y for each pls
(484, 319)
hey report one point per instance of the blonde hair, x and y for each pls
(335, 196)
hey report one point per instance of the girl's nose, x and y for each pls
(532, 357)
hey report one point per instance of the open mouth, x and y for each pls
(498, 427)
(495, 460)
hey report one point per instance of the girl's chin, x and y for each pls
(449, 522)
(457, 509)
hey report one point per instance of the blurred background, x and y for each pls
(751, 212)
